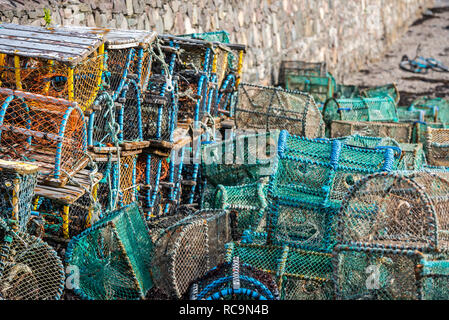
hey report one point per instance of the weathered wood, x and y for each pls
(134, 145)
(59, 44)
(18, 166)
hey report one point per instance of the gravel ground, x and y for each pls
(432, 33)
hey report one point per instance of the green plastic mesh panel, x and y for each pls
(189, 248)
(234, 281)
(300, 68)
(29, 268)
(400, 209)
(360, 109)
(346, 91)
(382, 91)
(274, 108)
(215, 36)
(401, 132)
(435, 109)
(16, 192)
(320, 88)
(375, 274)
(300, 274)
(249, 202)
(369, 142)
(437, 146)
(113, 257)
(241, 160)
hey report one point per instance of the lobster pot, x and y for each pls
(413, 156)
(152, 170)
(128, 56)
(171, 185)
(387, 274)
(360, 109)
(274, 108)
(47, 131)
(369, 142)
(320, 172)
(69, 210)
(190, 248)
(193, 67)
(102, 128)
(320, 88)
(129, 115)
(235, 281)
(113, 257)
(400, 209)
(127, 180)
(17, 182)
(29, 268)
(347, 91)
(437, 146)
(435, 109)
(407, 115)
(159, 110)
(55, 62)
(249, 203)
(401, 132)
(300, 68)
(382, 91)
(241, 160)
(300, 274)
(420, 130)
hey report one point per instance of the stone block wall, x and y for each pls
(344, 33)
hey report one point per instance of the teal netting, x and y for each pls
(241, 160)
(300, 274)
(113, 257)
(346, 91)
(300, 68)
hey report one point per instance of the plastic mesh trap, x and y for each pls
(320, 88)
(29, 268)
(17, 182)
(382, 91)
(300, 274)
(300, 68)
(274, 108)
(234, 281)
(189, 248)
(113, 257)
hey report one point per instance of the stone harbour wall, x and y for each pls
(344, 33)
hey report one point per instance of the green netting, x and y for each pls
(300, 68)
(382, 91)
(321, 88)
(437, 146)
(300, 274)
(271, 108)
(234, 281)
(413, 156)
(215, 36)
(360, 109)
(248, 201)
(401, 132)
(188, 249)
(436, 109)
(346, 91)
(29, 268)
(435, 281)
(407, 115)
(243, 159)
(113, 257)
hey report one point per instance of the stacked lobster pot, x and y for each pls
(391, 238)
(305, 191)
(49, 78)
